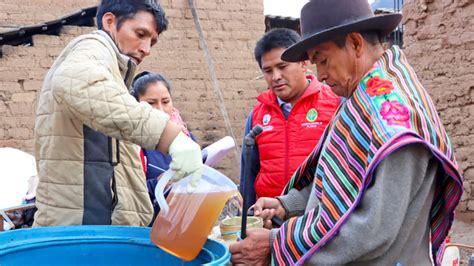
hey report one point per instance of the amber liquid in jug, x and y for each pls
(185, 228)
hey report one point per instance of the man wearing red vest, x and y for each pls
(293, 112)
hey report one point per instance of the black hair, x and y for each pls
(127, 9)
(371, 36)
(141, 82)
(275, 38)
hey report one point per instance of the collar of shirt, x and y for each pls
(284, 105)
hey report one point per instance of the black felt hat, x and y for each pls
(323, 20)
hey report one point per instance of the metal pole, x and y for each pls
(249, 142)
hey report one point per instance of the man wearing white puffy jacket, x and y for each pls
(87, 124)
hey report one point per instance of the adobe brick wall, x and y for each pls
(28, 12)
(231, 29)
(439, 42)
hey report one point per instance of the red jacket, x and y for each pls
(284, 144)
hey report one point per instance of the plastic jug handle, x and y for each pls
(159, 190)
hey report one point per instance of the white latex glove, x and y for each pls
(186, 159)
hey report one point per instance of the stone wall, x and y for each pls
(230, 29)
(439, 42)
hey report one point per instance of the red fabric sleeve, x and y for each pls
(142, 158)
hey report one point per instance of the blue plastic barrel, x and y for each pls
(96, 245)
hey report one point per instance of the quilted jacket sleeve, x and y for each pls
(89, 86)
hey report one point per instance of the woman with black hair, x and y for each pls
(155, 89)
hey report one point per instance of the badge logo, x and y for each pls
(266, 119)
(312, 115)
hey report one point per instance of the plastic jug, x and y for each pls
(186, 219)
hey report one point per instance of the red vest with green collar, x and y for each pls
(284, 144)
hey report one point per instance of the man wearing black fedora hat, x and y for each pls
(381, 186)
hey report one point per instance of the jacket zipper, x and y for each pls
(287, 138)
(117, 150)
(287, 146)
(117, 142)
(113, 185)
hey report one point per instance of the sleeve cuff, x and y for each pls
(294, 203)
(150, 133)
(273, 234)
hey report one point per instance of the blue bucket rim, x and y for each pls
(21, 239)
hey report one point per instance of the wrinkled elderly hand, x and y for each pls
(186, 159)
(253, 250)
(267, 208)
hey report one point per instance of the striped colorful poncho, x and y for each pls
(388, 110)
